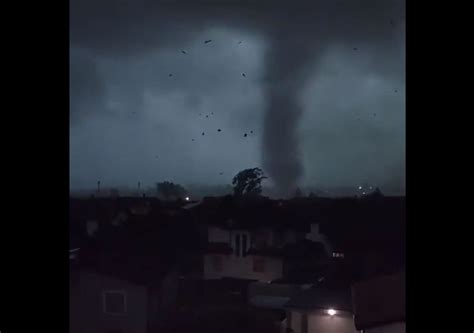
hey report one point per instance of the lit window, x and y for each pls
(114, 302)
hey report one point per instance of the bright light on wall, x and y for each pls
(331, 312)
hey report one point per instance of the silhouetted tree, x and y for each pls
(377, 192)
(170, 191)
(248, 182)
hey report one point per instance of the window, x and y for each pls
(259, 265)
(244, 245)
(237, 245)
(217, 263)
(114, 302)
(252, 240)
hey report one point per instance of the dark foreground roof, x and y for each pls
(379, 301)
(138, 270)
(321, 298)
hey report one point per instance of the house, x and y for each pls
(252, 239)
(320, 309)
(125, 278)
(105, 303)
(256, 254)
(379, 304)
(113, 293)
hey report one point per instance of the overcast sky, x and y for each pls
(322, 101)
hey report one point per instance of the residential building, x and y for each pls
(320, 309)
(379, 304)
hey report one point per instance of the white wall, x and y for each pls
(218, 235)
(242, 267)
(315, 236)
(296, 318)
(320, 322)
(391, 328)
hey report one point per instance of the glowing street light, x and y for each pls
(331, 312)
(187, 198)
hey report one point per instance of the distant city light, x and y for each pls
(187, 198)
(331, 312)
(363, 193)
(370, 187)
(360, 187)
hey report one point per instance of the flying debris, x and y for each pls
(245, 135)
(221, 173)
(192, 139)
(251, 132)
(243, 74)
(202, 133)
(212, 113)
(218, 130)
(396, 90)
(170, 75)
(355, 48)
(183, 52)
(240, 42)
(207, 116)
(207, 41)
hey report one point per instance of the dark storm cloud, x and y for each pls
(86, 87)
(146, 38)
(295, 51)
